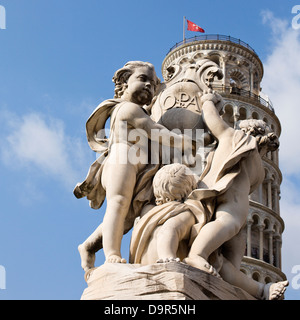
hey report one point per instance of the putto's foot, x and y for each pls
(115, 259)
(275, 291)
(87, 258)
(164, 260)
(202, 264)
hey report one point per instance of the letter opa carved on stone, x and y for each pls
(183, 100)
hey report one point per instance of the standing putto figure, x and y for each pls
(116, 175)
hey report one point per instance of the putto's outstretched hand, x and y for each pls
(210, 95)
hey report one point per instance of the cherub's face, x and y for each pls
(141, 86)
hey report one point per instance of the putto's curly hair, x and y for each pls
(173, 182)
(122, 75)
(261, 131)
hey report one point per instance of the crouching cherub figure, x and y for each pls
(163, 231)
(116, 175)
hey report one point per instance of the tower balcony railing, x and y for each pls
(206, 37)
(243, 93)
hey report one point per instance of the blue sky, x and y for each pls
(57, 59)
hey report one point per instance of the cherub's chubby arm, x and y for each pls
(216, 125)
(138, 119)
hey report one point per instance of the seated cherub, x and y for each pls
(173, 182)
(159, 234)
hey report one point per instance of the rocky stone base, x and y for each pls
(161, 281)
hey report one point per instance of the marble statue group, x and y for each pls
(175, 173)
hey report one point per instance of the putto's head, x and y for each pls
(136, 82)
(173, 182)
(266, 139)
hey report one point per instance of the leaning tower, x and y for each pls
(243, 99)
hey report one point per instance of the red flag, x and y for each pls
(193, 27)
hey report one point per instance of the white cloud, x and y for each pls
(290, 208)
(41, 145)
(282, 83)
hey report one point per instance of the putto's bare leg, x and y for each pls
(89, 247)
(87, 258)
(118, 197)
(171, 233)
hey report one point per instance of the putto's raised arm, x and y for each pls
(216, 125)
(137, 118)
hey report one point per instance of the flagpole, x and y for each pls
(184, 29)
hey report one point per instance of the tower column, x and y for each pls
(269, 193)
(270, 232)
(275, 188)
(249, 245)
(251, 79)
(260, 193)
(261, 228)
(277, 250)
